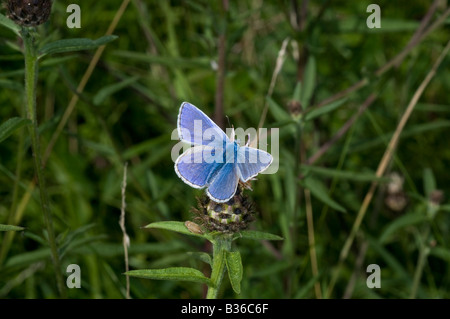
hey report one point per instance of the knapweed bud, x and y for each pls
(230, 217)
(436, 197)
(29, 13)
(396, 199)
(295, 109)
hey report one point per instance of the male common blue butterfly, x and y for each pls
(214, 161)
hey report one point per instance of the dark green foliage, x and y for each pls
(166, 53)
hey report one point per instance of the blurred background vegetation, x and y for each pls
(168, 52)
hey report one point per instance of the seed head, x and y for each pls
(29, 13)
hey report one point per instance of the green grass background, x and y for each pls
(164, 55)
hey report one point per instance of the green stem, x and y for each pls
(31, 72)
(220, 246)
(423, 254)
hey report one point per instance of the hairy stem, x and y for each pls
(31, 72)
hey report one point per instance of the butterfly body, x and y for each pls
(214, 161)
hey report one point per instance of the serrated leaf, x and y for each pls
(173, 273)
(316, 112)
(319, 191)
(258, 235)
(10, 228)
(8, 23)
(71, 45)
(309, 80)
(106, 91)
(7, 128)
(175, 226)
(235, 269)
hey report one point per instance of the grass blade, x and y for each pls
(7, 128)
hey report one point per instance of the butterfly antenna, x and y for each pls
(228, 119)
(248, 140)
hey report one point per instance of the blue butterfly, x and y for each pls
(214, 161)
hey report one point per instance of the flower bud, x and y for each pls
(230, 217)
(29, 13)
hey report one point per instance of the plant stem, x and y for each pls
(221, 245)
(31, 72)
(423, 254)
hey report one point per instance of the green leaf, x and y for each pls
(278, 112)
(401, 222)
(429, 182)
(11, 85)
(205, 257)
(178, 227)
(8, 23)
(316, 112)
(319, 191)
(302, 293)
(71, 45)
(172, 62)
(390, 259)
(7, 128)
(106, 91)
(254, 234)
(355, 176)
(441, 253)
(27, 258)
(235, 269)
(10, 228)
(173, 273)
(412, 131)
(297, 96)
(309, 79)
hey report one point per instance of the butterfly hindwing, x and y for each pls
(194, 168)
(224, 184)
(251, 162)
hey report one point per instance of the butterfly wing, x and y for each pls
(194, 167)
(224, 184)
(195, 127)
(251, 162)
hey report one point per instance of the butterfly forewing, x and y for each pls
(195, 127)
